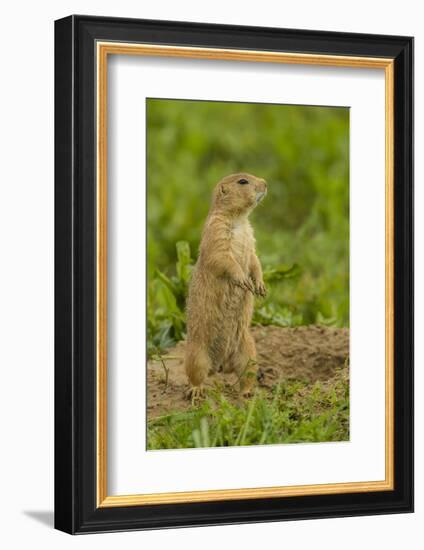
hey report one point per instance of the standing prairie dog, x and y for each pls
(225, 279)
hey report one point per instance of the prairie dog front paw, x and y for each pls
(245, 283)
(260, 289)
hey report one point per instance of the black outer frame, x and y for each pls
(75, 275)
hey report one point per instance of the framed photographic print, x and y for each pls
(234, 269)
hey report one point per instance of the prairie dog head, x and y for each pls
(238, 194)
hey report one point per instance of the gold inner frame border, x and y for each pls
(103, 50)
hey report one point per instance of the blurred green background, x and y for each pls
(301, 228)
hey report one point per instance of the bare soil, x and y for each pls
(302, 353)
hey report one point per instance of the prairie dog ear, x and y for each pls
(224, 189)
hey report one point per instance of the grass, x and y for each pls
(294, 412)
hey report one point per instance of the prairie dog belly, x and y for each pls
(237, 304)
(242, 243)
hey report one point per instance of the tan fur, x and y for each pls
(226, 277)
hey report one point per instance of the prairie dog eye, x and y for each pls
(242, 181)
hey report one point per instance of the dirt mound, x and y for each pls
(303, 353)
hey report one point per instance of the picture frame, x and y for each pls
(83, 45)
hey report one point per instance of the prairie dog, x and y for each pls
(225, 279)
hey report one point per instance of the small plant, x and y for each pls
(178, 284)
(166, 321)
(281, 273)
